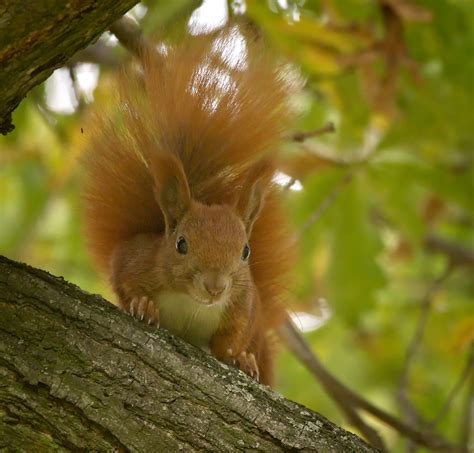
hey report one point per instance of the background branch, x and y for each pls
(345, 398)
(298, 345)
(302, 136)
(458, 254)
(466, 430)
(410, 415)
(129, 35)
(466, 373)
(326, 203)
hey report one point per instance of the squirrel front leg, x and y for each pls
(231, 343)
(133, 276)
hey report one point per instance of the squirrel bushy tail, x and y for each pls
(219, 104)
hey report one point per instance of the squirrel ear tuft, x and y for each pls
(251, 197)
(171, 188)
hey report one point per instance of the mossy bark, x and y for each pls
(76, 373)
(38, 36)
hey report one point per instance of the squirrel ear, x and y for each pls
(250, 204)
(171, 188)
(251, 198)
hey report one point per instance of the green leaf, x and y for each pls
(354, 275)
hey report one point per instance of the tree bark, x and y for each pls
(38, 36)
(76, 373)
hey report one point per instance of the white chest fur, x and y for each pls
(188, 319)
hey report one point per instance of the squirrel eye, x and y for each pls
(245, 252)
(181, 246)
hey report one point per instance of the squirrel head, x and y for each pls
(205, 247)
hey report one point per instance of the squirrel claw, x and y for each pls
(248, 364)
(144, 309)
(244, 361)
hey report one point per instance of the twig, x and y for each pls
(466, 427)
(302, 136)
(98, 53)
(419, 331)
(457, 253)
(324, 156)
(327, 201)
(411, 416)
(129, 35)
(371, 140)
(465, 374)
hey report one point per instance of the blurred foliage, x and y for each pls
(397, 81)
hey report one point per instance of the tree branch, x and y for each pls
(79, 374)
(38, 37)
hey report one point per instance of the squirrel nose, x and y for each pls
(214, 284)
(214, 291)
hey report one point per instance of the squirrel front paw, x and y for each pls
(145, 310)
(244, 361)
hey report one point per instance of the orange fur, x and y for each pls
(220, 131)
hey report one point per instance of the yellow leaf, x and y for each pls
(463, 334)
(317, 60)
(310, 30)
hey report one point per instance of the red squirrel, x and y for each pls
(180, 210)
